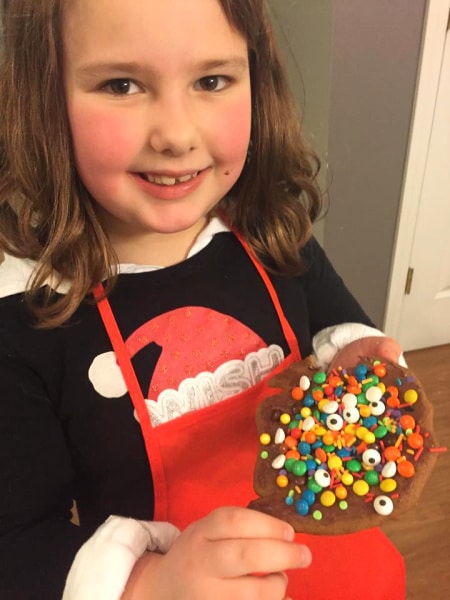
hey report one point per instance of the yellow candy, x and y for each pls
(361, 487)
(381, 386)
(369, 437)
(265, 439)
(388, 485)
(322, 403)
(328, 439)
(334, 462)
(327, 498)
(319, 430)
(410, 396)
(347, 478)
(306, 412)
(361, 432)
(285, 418)
(364, 410)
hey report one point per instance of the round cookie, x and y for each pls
(342, 451)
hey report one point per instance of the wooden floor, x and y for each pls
(423, 534)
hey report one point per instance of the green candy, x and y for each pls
(354, 466)
(314, 486)
(371, 477)
(288, 465)
(299, 468)
(320, 377)
(380, 432)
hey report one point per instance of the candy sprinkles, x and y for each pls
(338, 451)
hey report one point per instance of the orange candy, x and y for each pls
(415, 440)
(310, 437)
(379, 370)
(297, 393)
(292, 454)
(407, 422)
(406, 468)
(391, 453)
(393, 402)
(321, 455)
(291, 442)
(341, 492)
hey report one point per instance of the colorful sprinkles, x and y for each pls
(348, 434)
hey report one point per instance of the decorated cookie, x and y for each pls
(342, 451)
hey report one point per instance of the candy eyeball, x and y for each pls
(371, 457)
(351, 415)
(383, 505)
(322, 478)
(377, 407)
(335, 422)
(349, 400)
(374, 394)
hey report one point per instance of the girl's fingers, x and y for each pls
(384, 347)
(268, 587)
(234, 522)
(236, 558)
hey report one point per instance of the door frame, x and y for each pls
(433, 43)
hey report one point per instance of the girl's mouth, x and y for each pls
(167, 180)
(167, 186)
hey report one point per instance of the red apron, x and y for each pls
(205, 459)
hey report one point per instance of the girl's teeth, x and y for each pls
(164, 180)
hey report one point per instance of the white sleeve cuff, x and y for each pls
(329, 341)
(103, 564)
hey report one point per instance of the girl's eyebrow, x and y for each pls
(238, 63)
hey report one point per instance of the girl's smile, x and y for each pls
(171, 186)
(159, 104)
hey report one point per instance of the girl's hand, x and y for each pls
(383, 347)
(232, 554)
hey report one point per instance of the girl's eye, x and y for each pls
(212, 83)
(121, 87)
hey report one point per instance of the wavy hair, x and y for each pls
(47, 214)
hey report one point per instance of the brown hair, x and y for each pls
(47, 215)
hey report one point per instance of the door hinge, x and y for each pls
(409, 278)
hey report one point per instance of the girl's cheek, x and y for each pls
(232, 130)
(102, 138)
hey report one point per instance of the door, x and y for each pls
(418, 312)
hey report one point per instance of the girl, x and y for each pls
(153, 146)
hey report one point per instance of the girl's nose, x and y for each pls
(174, 129)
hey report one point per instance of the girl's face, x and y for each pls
(159, 104)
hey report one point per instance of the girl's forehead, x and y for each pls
(159, 30)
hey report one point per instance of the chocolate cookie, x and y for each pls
(342, 451)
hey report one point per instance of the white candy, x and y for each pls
(304, 383)
(371, 457)
(377, 407)
(335, 422)
(351, 415)
(383, 505)
(374, 394)
(349, 400)
(330, 407)
(322, 478)
(280, 436)
(389, 469)
(308, 424)
(278, 462)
